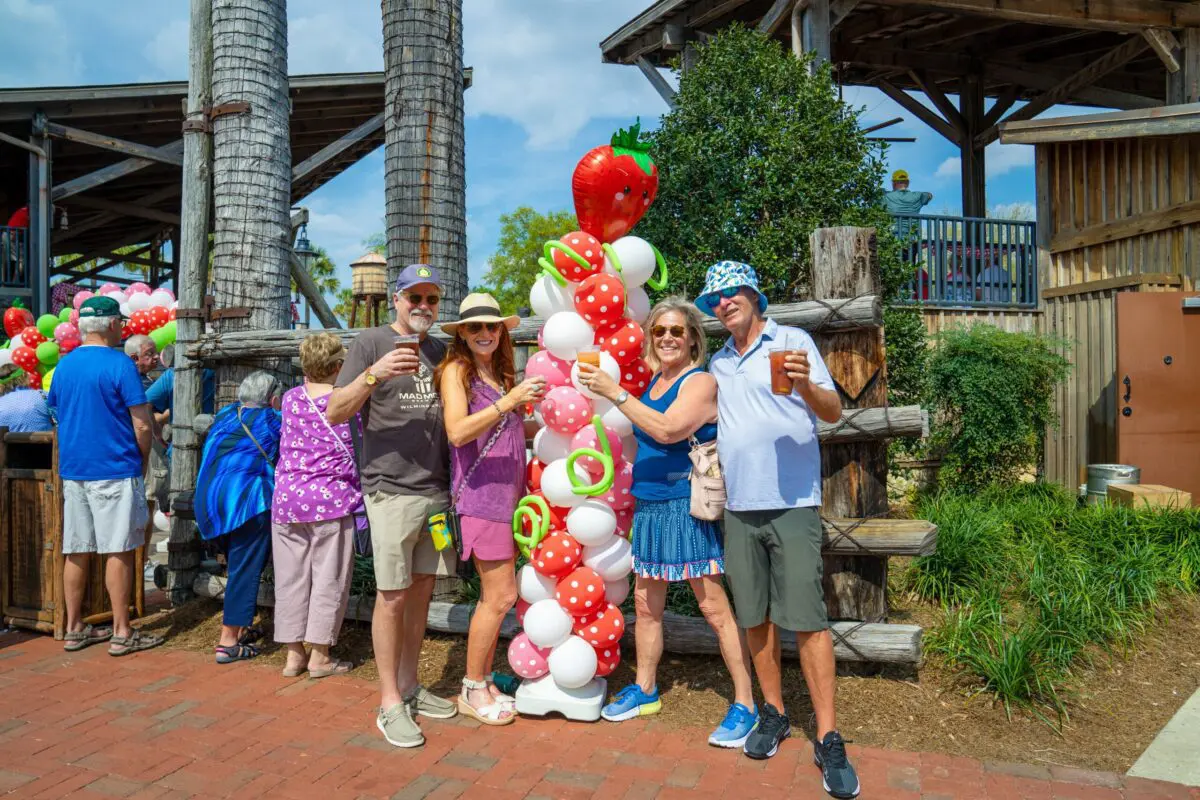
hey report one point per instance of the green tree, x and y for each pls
(513, 267)
(323, 272)
(376, 243)
(755, 156)
(344, 301)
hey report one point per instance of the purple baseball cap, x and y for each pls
(417, 273)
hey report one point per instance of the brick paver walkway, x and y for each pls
(168, 724)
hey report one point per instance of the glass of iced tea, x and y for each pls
(408, 341)
(589, 355)
(780, 382)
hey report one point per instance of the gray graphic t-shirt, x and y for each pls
(405, 450)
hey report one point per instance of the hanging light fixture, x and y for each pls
(304, 249)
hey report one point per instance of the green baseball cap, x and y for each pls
(99, 307)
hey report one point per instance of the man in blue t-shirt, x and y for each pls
(104, 430)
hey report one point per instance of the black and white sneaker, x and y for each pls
(839, 777)
(772, 729)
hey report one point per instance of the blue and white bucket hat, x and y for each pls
(723, 280)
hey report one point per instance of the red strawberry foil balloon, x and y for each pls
(17, 319)
(613, 185)
(622, 340)
(576, 256)
(600, 300)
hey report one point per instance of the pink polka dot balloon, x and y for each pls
(138, 288)
(527, 659)
(586, 437)
(108, 288)
(620, 495)
(566, 410)
(78, 299)
(608, 658)
(600, 300)
(625, 521)
(587, 247)
(556, 371)
(623, 340)
(75, 318)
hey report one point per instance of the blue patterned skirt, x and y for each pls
(669, 544)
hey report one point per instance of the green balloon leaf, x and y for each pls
(549, 269)
(611, 252)
(537, 511)
(605, 483)
(548, 256)
(659, 282)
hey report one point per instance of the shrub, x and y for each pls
(992, 391)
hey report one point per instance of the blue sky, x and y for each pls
(540, 100)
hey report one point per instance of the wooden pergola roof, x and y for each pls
(116, 150)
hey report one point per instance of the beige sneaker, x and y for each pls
(427, 704)
(397, 726)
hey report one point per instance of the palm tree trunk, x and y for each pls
(252, 171)
(424, 158)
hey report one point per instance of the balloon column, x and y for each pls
(573, 526)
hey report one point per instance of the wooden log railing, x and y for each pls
(870, 643)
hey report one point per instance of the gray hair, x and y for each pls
(257, 389)
(91, 325)
(692, 321)
(135, 343)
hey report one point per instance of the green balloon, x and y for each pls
(46, 324)
(65, 314)
(47, 354)
(172, 331)
(159, 337)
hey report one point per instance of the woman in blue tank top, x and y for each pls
(669, 544)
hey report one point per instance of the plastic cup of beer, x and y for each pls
(589, 355)
(408, 341)
(780, 382)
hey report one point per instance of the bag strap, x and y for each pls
(478, 459)
(266, 457)
(329, 426)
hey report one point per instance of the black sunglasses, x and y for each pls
(431, 299)
(476, 327)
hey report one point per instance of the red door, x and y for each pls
(1158, 387)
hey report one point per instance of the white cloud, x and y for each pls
(950, 169)
(1001, 160)
(37, 45)
(167, 52)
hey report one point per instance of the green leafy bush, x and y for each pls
(993, 394)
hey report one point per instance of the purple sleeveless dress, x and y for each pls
(486, 502)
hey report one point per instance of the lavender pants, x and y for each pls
(313, 565)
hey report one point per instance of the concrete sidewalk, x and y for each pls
(1174, 755)
(172, 724)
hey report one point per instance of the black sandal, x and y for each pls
(235, 652)
(251, 635)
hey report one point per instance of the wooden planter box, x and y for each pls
(31, 559)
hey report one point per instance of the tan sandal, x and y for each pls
(489, 714)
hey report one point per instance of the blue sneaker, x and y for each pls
(735, 728)
(632, 702)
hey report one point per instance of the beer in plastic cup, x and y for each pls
(408, 341)
(780, 382)
(589, 355)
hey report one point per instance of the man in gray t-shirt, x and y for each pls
(405, 468)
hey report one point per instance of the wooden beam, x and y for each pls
(1164, 44)
(1160, 121)
(923, 113)
(657, 81)
(137, 237)
(111, 173)
(27, 146)
(1184, 85)
(1045, 79)
(1003, 103)
(973, 155)
(125, 209)
(816, 20)
(875, 424)
(839, 10)
(334, 149)
(775, 16)
(1120, 282)
(881, 125)
(101, 220)
(312, 293)
(1175, 216)
(950, 30)
(112, 260)
(122, 146)
(100, 276)
(1112, 15)
(939, 99)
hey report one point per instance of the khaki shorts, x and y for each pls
(773, 567)
(104, 516)
(401, 542)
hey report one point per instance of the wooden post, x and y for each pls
(845, 264)
(41, 217)
(974, 172)
(1184, 86)
(183, 546)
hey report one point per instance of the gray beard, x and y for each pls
(419, 324)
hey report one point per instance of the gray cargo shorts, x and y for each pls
(104, 516)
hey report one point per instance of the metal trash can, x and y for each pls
(1101, 476)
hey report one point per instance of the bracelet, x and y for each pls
(496, 405)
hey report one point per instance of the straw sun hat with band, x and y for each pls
(480, 307)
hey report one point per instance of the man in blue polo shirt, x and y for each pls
(771, 461)
(103, 441)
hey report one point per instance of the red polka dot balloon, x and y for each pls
(159, 316)
(533, 474)
(625, 521)
(583, 621)
(600, 299)
(25, 357)
(607, 660)
(620, 494)
(622, 340)
(31, 337)
(558, 516)
(34, 379)
(606, 629)
(635, 377)
(521, 607)
(171, 314)
(589, 250)
(581, 591)
(557, 554)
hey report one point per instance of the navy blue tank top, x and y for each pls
(660, 471)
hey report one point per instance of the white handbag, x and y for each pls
(708, 485)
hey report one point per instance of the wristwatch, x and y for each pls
(371, 379)
(621, 398)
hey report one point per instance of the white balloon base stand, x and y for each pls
(539, 697)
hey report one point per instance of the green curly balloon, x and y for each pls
(606, 460)
(611, 252)
(546, 262)
(537, 510)
(659, 283)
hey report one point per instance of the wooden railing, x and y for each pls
(969, 261)
(14, 258)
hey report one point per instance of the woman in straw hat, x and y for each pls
(481, 406)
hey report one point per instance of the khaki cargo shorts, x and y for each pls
(773, 567)
(401, 542)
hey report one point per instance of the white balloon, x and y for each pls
(161, 299)
(161, 523)
(591, 522)
(5, 358)
(637, 305)
(557, 486)
(15, 342)
(616, 591)
(547, 624)
(533, 586)
(547, 297)
(126, 311)
(566, 332)
(572, 663)
(120, 297)
(550, 445)
(613, 559)
(607, 364)
(617, 422)
(629, 447)
(637, 260)
(139, 301)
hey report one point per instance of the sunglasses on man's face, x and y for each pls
(659, 331)
(430, 299)
(475, 327)
(729, 292)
